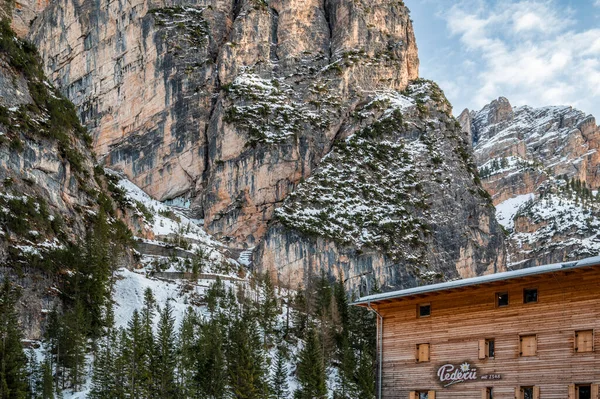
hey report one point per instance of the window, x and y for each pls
(487, 393)
(486, 348)
(528, 345)
(583, 391)
(422, 353)
(502, 299)
(584, 341)
(530, 295)
(528, 393)
(422, 395)
(424, 310)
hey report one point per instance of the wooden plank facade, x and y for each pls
(470, 347)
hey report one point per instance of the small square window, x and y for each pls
(528, 345)
(486, 348)
(422, 353)
(502, 299)
(527, 392)
(584, 341)
(584, 392)
(425, 310)
(530, 295)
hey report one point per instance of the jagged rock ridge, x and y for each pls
(541, 167)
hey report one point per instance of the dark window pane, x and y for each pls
(530, 296)
(491, 348)
(503, 299)
(423, 395)
(490, 393)
(585, 392)
(528, 393)
(424, 310)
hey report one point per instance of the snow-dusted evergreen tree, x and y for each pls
(279, 379)
(186, 354)
(311, 369)
(165, 356)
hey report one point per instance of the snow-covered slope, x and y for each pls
(540, 165)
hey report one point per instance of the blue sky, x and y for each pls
(534, 52)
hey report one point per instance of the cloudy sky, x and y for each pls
(535, 52)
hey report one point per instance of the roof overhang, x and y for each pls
(476, 281)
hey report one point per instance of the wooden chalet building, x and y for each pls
(526, 334)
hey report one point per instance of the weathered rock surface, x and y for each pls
(50, 191)
(397, 202)
(540, 166)
(151, 81)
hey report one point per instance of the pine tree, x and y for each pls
(311, 369)
(279, 383)
(211, 374)
(186, 357)
(165, 355)
(365, 376)
(47, 380)
(269, 309)
(74, 345)
(300, 314)
(106, 380)
(245, 360)
(13, 362)
(138, 368)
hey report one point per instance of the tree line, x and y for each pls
(246, 343)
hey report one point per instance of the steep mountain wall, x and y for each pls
(541, 167)
(50, 191)
(227, 103)
(397, 202)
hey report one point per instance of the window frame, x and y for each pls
(497, 299)
(537, 297)
(535, 391)
(578, 386)
(488, 346)
(419, 306)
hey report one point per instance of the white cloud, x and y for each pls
(531, 51)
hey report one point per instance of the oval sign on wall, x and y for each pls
(450, 374)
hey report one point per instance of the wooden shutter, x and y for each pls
(484, 393)
(431, 395)
(572, 391)
(584, 341)
(482, 348)
(536, 392)
(423, 352)
(413, 395)
(595, 393)
(518, 393)
(528, 345)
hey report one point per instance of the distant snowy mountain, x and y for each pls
(541, 167)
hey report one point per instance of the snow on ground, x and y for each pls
(506, 211)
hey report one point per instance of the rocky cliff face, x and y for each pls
(541, 167)
(51, 194)
(240, 108)
(227, 103)
(396, 201)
